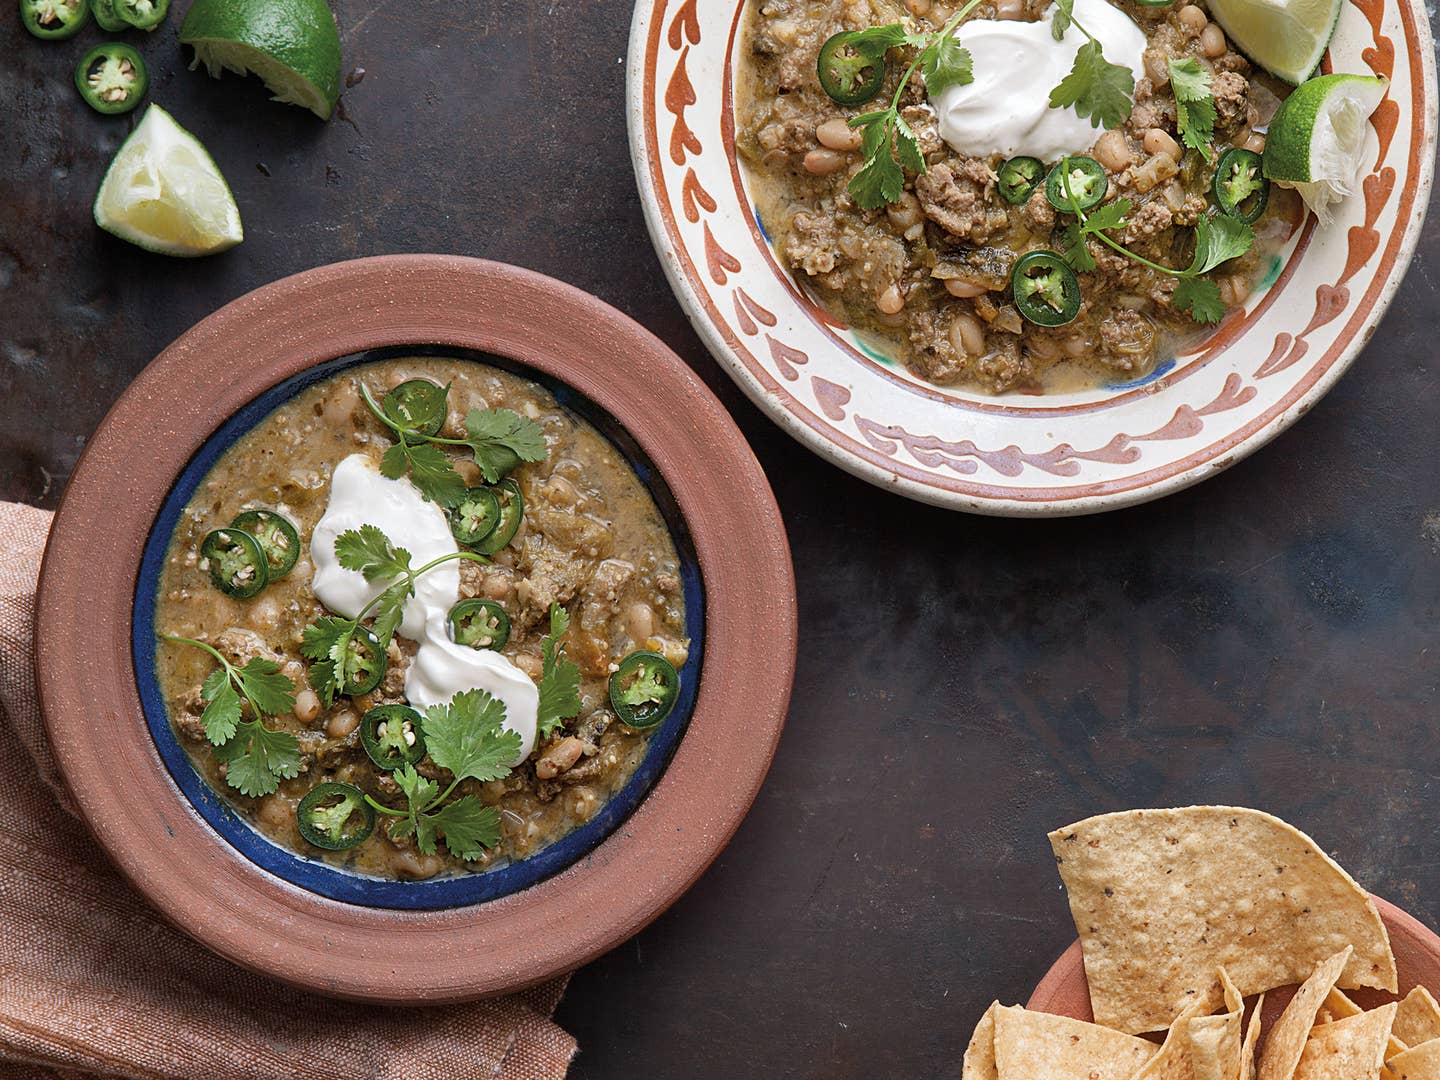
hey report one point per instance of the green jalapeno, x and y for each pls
(335, 816)
(393, 736)
(236, 562)
(1240, 188)
(644, 688)
(1018, 179)
(111, 78)
(363, 663)
(850, 71)
(142, 14)
(277, 536)
(512, 509)
(1088, 183)
(476, 516)
(481, 624)
(1045, 288)
(105, 17)
(419, 405)
(52, 20)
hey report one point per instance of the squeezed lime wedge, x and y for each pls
(1316, 140)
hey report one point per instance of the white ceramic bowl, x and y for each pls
(1019, 455)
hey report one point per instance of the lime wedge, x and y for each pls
(1316, 141)
(165, 193)
(293, 45)
(1285, 37)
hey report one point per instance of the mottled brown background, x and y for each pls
(964, 684)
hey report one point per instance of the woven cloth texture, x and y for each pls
(94, 983)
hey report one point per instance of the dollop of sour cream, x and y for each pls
(1006, 109)
(359, 495)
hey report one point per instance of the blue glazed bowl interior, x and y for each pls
(316, 875)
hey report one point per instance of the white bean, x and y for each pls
(836, 134)
(824, 162)
(1212, 42)
(967, 336)
(891, 300)
(1193, 17)
(1112, 151)
(963, 289)
(1158, 141)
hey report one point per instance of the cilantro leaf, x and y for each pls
(222, 706)
(469, 738)
(500, 439)
(420, 790)
(1201, 298)
(944, 63)
(468, 826)
(1064, 16)
(879, 39)
(1075, 252)
(908, 143)
(1111, 215)
(369, 551)
(1219, 239)
(326, 641)
(1096, 88)
(433, 473)
(268, 690)
(390, 610)
(256, 758)
(880, 180)
(559, 677)
(1194, 104)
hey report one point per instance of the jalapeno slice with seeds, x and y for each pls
(335, 816)
(1088, 183)
(54, 20)
(850, 72)
(643, 689)
(364, 663)
(512, 510)
(105, 17)
(236, 562)
(393, 736)
(1240, 188)
(277, 536)
(111, 78)
(476, 515)
(142, 14)
(1018, 178)
(481, 624)
(1046, 291)
(419, 405)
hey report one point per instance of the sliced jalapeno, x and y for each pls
(1018, 179)
(277, 536)
(512, 509)
(476, 516)
(111, 78)
(419, 405)
(363, 664)
(1240, 188)
(481, 624)
(105, 17)
(335, 816)
(142, 14)
(236, 562)
(1088, 183)
(52, 20)
(850, 71)
(644, 688)
(1045, 288)
(393, 736)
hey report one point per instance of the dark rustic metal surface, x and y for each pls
(965, 684)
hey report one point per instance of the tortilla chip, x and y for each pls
(1418, 1063)
(1173, 1060)
(1161, 898)
(1252, 1038)
(1341, 1006)
(1417, 1021)
(1290, 1033)
(1029, 1045)
(1215, 1041)
(980, 1054)
(1349, 1049)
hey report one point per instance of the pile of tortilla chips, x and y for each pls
(1182, 915)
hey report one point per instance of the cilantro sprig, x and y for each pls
(1218, 239)
(335, 644)
(1194, 104)
(468, 738)
(559, 676)
(1095, 88)
(498, 440)
(256, 758)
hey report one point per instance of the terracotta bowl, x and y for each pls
(301, 920)
(1065, 992)
(1020, 455)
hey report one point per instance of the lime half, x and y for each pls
(1316, 141)
(1285, 37)
(293, 45)
(165, 193)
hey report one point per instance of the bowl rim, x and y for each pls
(155, 836)
(645, 30)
